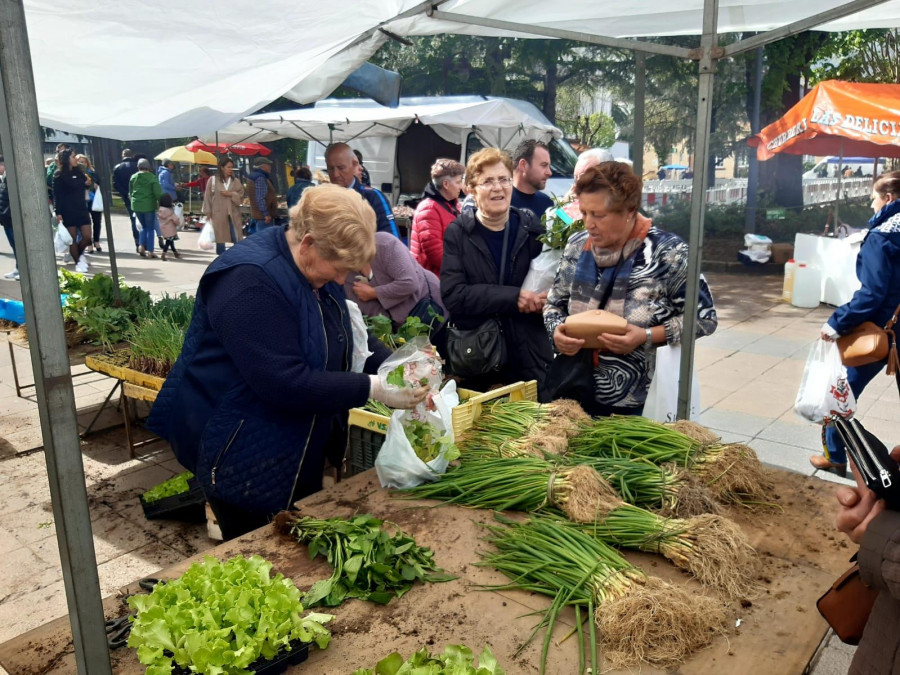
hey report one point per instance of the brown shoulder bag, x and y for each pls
(869, 343)
(846, 606)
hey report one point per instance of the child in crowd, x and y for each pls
(168, 225)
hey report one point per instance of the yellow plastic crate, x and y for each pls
(464, 415)
(115, 365)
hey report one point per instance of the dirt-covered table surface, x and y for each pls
(778, 631)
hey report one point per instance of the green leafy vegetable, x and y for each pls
(395, 377)
(219, 618)
(426, 442)
(456, 660)
(382, 328)
(369, 563)
(377, 407)
(174, 486)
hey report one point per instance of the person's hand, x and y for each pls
(225, 193)
(530, 301)
(268, 219)
(58, 218)
(364, 291)
(565, 344)
(859, 505)
(633, 338)
(396, 397)
(828, 333)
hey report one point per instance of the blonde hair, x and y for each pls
(481, 160)
(340, 221)
(87, 161)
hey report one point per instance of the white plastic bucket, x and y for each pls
(807, 290)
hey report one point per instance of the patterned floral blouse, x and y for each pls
(655, 296)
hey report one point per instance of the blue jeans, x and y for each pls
(260, 225)
(9, 237)
(857, 378)
(148, 233)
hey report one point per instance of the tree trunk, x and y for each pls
(494, 71)
(550, 86)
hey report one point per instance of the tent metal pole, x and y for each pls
(590, 38)
(20, 135)
(837, 200)
(101, 156)
(753, 174)
(707, 69)
(640, 95)
(808, 23)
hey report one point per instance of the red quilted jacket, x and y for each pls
(433, 215)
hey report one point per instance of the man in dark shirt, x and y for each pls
(532, 169)
(122, 173)
(342, 166)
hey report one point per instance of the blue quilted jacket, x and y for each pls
(242, 450)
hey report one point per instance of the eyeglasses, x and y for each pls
(491, 183)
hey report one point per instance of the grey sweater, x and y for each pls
(399, 281)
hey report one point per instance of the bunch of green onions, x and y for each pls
(514, 427)
(732, 471)
(522, 483)
(711, 548)
(639, 619)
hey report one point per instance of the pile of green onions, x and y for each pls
(516, 427)
(732, 471)
(639, 619)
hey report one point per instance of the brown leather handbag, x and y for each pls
(846, 606)
(869, 343)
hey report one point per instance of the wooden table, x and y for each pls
(778, 634)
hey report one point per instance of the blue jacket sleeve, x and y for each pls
(875, 270)
(384, 215)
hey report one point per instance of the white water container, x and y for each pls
(807, 286)
(787, 291)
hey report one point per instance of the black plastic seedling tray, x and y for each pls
(274, 666)
(188, 506)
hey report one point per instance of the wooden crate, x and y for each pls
(115, 364)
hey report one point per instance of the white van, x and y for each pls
(830, 166)
(399, 145)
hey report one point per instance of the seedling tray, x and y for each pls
(188, 506)
(274, 666)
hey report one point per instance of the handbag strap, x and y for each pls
(893, 364)
(607, 292)
(503, 254)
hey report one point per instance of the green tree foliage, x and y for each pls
(861, 56)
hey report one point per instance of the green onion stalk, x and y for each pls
(732, 471)
(639, 619)
(522, 483)
(666, 488)
(510, 427)
(712, 548)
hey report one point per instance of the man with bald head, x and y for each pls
(343, 166)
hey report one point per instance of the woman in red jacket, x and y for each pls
(435, 212)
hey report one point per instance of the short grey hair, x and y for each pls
(144, 164)
(590, 158)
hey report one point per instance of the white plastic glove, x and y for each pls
(396, 397)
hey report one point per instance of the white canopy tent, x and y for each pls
(491, 117)
(166, 68)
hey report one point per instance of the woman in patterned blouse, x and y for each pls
(640, 271)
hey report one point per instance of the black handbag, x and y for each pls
(429, 312)
(478, 351)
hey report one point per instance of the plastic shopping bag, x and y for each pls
(361, 351)
(60, 245)
(63, 234)
(207, 240)
(97, 202)
(178, 208)
(398, 464)
(542, 271)
(662, 398)
(415, 364)
(824, 390)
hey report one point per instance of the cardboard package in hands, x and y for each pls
(588, 325)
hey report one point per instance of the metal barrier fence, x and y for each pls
(658, 193)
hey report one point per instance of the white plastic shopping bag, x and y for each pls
(542, 271)
(207, 240)
(63, 234)
(662, 398)
(361, 351)
(415, 364)
(824, 390)
(398, 464)
(97, 201)
(178, 208)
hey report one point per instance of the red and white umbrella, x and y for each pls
(242, 149)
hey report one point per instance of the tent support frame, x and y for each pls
(20, 135)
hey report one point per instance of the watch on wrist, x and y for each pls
(649, 341)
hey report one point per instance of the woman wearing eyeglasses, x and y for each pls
(487, 252)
